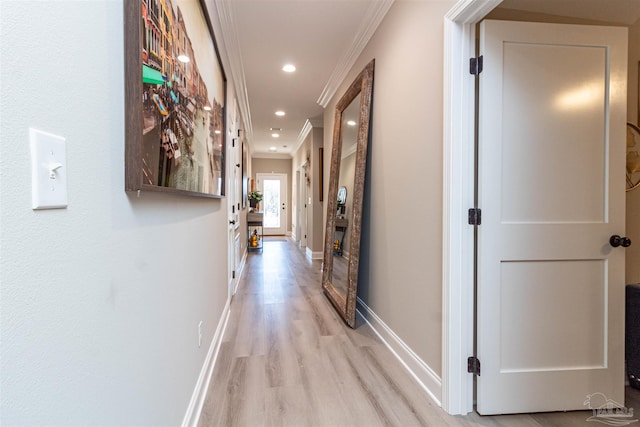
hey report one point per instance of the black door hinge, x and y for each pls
(475, 65)
(475, 216)
(473, 365)
(233, 142)
(233, 274)
(233, 209)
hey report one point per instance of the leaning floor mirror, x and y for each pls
(346, 191)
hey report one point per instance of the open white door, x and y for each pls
(550, 325)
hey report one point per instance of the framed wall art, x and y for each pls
(175, 93)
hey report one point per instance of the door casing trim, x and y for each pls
(458, 197)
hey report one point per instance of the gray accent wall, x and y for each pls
(401, 254)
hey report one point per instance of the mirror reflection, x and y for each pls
(344, 211)
(346, 188)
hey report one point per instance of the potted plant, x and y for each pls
(341, 207)
(254, 198)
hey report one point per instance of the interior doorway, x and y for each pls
(301, 206)
(273, 187)
(458, 188)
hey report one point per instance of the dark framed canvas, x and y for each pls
(245, 180)
(175, 95)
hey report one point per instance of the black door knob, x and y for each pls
(232, 222)
(617, 241)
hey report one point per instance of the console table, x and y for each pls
(254, 222)
(341, 230)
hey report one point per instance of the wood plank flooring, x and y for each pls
(287, 359)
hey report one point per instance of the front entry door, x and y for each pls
(274, 202)
(551, 186)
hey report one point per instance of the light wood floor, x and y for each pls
(288, 360)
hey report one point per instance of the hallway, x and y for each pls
(287, 360)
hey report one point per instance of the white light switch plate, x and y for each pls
(48, 170)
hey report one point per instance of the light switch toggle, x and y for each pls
(53, 169)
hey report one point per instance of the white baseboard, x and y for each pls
(423, 374)
(240, 271)
(202, 385)
(313, 255)
(288, 234)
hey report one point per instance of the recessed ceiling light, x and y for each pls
(273, 148)
(351, 123)
(275, 135)
(275, 129)
(183, 58)
(207, 108)
(280, 113)
(217, 132)
(289, 68)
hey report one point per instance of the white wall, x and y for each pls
(401, 255)
(99, 302)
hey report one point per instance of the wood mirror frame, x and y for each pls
(346, 304)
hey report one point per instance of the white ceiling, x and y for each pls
(322, 38)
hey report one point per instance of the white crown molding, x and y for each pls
(349, 151)
(372, 18)
(306, 129)
(471, 10)
(229, 38)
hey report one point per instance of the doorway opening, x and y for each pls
(274, 202)
(459, 183)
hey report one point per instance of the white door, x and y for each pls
(302, 205)
(274, 202)
(233, 213)
(550, 325)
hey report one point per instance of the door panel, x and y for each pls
(551, 189)
(576, 170)
(535, 287)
